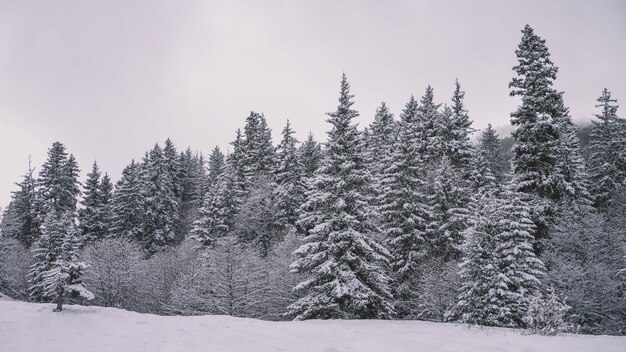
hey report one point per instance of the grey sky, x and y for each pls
(110, 78)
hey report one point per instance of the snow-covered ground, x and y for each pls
(32, 327)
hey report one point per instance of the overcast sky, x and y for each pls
(110, 78)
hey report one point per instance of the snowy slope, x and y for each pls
(34, 327)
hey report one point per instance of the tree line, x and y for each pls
(405, 219)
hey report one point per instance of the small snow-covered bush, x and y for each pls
(546, 315)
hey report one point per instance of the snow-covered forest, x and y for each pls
(417, 216)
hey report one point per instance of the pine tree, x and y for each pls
(57, 273)
(106, 202)
(458, 147)
(127, 205)
(382, 134)
(546, 159)
(290, 185)
(58, 181)
(91, 217)
(490, 147)
(310, 156)
(403, 210)
(607, 159)
(160, 203)
(500, 273)
(257, 148)
(216, 165)
(428, 128)
(448, 200)
(342, 262)
(22, 213)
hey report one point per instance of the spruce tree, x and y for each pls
(546, 159)
(490, 147)
(290, 185)
(58, 181)
(428, 128)
(216, 165)
(127, 205)
(160, 203)
(257, 148)
(382, 134)
(404, 212)
(343, 264)
(458, 147)
(23, 211)
(57, 274)
(607, 159)
(500, 273)
(91, 217)
(310, 156)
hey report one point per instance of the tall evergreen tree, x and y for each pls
(160, 203)
(216, 165)
(58, 181)
(56, 273)
(382, 134)
(458, 147)
(91, 216)
(490, 148)
(428, 128)
(500, 273)
(22, 212)
(341, 260)
(257, 148)
(404, 211)
(127, 204)
(607, 159)
(310, 156)
(290, 186)
(545, 155)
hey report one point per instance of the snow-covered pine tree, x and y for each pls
(257, 147)
(500, 273)
(260, 221)
(310, 156)
(22, 213)
(217, 215)
(127, 205)
(90, 216)
(216, 165)
(458, 147)
(106, 201)
(160, 203)
(58, 186)
(343, 264)
(382, 135)
(607, 159)
(289, 178)
(57, 273)
(428, 128)
(490, 147)
(448, 199)
(403, 208)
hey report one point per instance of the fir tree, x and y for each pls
(58, 181)
(91, 217)
(490, 147)
(382, 134)
(404, 212)
(310, 156)
(546, 159)
(127, 205)
(458, 147)
(160, 204)
(257, 148)
(290, 186)
(607, 159)
(500, 273)
(22, 212)
(56, 273)
(216, 165)
(342, 262)
(428, 128)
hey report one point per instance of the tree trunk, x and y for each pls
(59, 301)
